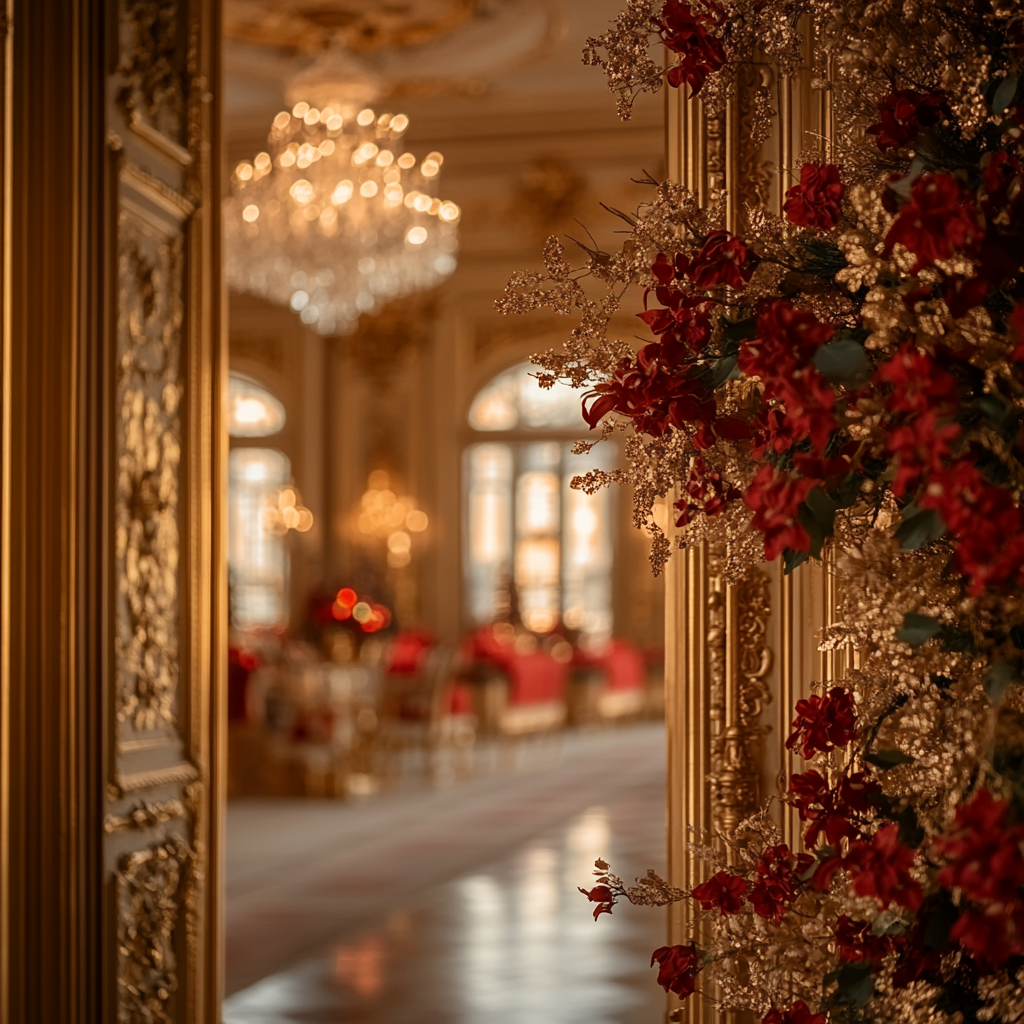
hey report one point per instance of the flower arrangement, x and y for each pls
(847, 374)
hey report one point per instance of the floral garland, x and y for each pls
(850, 373)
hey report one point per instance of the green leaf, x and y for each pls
(843, 362)
(886, 759)
(1004, 94)
(855, 984)
(917, 629)
(721, 370)
(741, 330)
(791, 559)
(818, 516)
(911, 833)
(919, 528)
(999, 678)
(942, 915)
(888, 923)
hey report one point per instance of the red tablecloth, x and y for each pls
(534, 678)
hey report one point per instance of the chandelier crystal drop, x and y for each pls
(334, 219)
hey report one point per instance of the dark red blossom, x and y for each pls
(823, 723)
(879, 867)
(993, 933)
(652, 396)
(704, 491)
(902, 115)
(723, 892)
(781, 354)
(685, 31)
(678, 967)
(785, 341)
(1002, 195)
(776, 499)
(856, 943)
(1016, 323)
(798, 1013)
(918, 382)
(983, 854)
(683, 325)
(920, 447)
(722, 259)
(778, 881)
(938, 220)
(815, 202)
(603, 896)
(988, 525)
(835, 812)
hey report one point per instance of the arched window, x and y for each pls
(529, 536)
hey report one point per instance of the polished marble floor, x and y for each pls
(456, 906)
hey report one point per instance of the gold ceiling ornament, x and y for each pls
(333, 219)
(313, 26)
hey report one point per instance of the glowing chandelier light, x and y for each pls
(334, 219)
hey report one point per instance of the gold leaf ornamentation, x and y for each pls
(149, 452)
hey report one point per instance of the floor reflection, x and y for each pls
(511, 940)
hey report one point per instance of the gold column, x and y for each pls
(111, 586)
(738, 656)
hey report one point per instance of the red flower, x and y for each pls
(993, 933)
(683, 326)
(705, 492)
(780, 355)
(879, 867)
(678, 967)
(778, 882)
(835, 812)
(983, 854)
(988, 525)
(1016, 323)
(856, 943)
(798, 1013)
(814, 203)
(936, 222)
(920, 447)
(723, 892)
(686, 32)
(785, 341)
(601, 895)
(653, 397)
(918, 383)
(775, 499)
(823, 723)
(722, 259)
(904, 114)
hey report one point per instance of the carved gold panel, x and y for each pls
(739, 654)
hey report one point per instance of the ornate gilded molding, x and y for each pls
(152, 94)
(149, 453)
(144, 816)
(739, 662)
(152, 884)
(174, 775)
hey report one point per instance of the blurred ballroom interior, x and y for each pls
(445, 675)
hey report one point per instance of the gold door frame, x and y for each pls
(738, 655)
(112, 590)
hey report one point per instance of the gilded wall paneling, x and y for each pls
(738, 655)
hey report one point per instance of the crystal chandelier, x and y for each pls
(334, 219)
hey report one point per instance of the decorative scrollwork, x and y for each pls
(151, 889)
(149, 452)
(739, 691)
(152, 90)
(145, 815)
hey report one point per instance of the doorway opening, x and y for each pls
(445, 668)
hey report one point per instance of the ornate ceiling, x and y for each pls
(312, 26)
